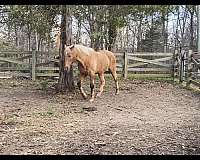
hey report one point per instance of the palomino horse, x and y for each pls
(90, 63)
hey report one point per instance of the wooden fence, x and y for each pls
(38, 64)
(188, 67)
(32, 64)
(145, 63)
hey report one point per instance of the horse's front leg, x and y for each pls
(92, 79)
(102, 81)
(81, 78)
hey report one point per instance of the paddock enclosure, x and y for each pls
(158, 116)
(183, 66)
(34, 62)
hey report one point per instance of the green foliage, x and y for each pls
(42, 18)
(33, 19)
(6, 45)
(119, 22)
(44, 85)
(49, 113)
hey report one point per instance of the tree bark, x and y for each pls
(182, 30)
(139, 47)
(176, 33)
(16, 36)
(66, 80)
(163, 30)
(78, 37)
(112, 30)
(191, 28)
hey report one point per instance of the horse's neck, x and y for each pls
(82, 58)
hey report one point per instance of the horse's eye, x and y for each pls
(68, 55)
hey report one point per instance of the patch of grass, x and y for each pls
(45, 114)
(191, 87)
(44, 85)
(154, 77)
(82, 110)
(8, 120)
(49, 113)
(11, 122)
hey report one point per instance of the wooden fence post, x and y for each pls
(186, 67)
(179, 66)
(181, 71)
(33, 65)
(175, 62)
(125, 67)
(189, 68)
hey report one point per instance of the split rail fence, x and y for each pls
(30, 64)
(183, 66)
(39, 64)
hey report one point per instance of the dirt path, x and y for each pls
(146, 118)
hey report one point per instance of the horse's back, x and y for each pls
(111, 57)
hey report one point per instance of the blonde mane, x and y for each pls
(84, 49)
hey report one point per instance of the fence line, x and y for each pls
(38, 64)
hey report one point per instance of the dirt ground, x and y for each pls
(147, 117)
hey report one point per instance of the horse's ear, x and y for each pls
(72, 47)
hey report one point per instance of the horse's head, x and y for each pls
(70, 57)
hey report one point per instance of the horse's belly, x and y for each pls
(102, 67)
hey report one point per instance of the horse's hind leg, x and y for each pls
(114, 75)
(81, 77)
(102, 81)
(92, 78)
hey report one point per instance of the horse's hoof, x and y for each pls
(99, 95)
(117, 93)
(84, 96)
(91, 100)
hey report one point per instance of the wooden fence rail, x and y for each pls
(38, 64)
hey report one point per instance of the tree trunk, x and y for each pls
(36, 41)
(78, 37)
(39, 44)
(182, 30)
(151, 35)
(112, 30)
(9, 31)
(166, 36)
(91, 24)
(65, 79)
(198, 28)
(191, 29)
(105, 36)
(176, 34)
(101, 38)
(163, 31)
(16, 37)
(29, 37)
(97, 38)
(139, 47)
(112, 33)
(98, 28)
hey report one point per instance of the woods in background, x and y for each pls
(142, 28)
(145, 28)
